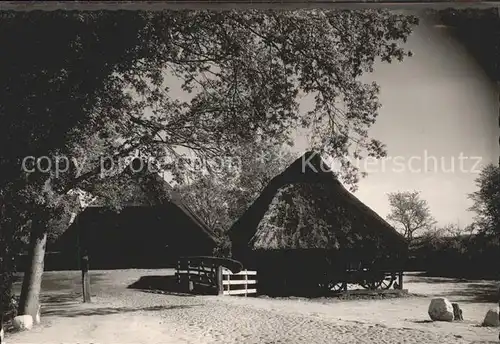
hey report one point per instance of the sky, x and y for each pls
(439, 123)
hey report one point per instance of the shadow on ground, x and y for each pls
(478, 292)
(71, 312)
(62, 281)
(62, 299)
(422, 321)
(424, 278)
(449, 278)
(166, 285)
(70, 305)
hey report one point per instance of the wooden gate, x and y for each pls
(206, 275)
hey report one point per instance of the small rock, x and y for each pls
(23, 322)
(457, 312)
(441, 309)
(491, 319)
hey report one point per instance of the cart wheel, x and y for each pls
(371, 285)
(387, 282)
(336, 287)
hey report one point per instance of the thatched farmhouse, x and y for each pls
(153, 229)
(306, 225)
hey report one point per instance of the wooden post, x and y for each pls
(229, 284)
(84, 263)
(220, 280)
(190, 286)
(85, 278)
(400, 278)
(178, 272)
(246, 282)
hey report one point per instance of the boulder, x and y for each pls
(23, 322)
(441, 309)
(491, 318)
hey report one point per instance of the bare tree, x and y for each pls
(410, 213)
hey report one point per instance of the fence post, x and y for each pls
(246, 282)
(228, 283)
(400, 277)
(178, 272)
(189, 282)
(85, 278)
(220, 280)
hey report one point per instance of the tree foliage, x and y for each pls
(410, 213)
(88, 85)
(99, 87)
(487, 200)
(209, 199)
(220, 197)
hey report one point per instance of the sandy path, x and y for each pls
(206, 321)
(408, 313)
(120, 328)
(120, 315)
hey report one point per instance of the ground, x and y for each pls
(122, 315)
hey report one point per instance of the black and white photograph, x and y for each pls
(257, 174)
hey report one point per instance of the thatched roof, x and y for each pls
(306, 207)
(147, 188)
(152, 215)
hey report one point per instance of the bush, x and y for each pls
(464, 256)
(8, 304)
(223, 248)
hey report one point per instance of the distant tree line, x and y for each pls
(451, 250)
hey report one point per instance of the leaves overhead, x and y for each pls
(100, 86)
(94, 85)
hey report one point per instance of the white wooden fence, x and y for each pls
(195, 274)
(241, 283)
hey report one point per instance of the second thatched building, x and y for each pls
(306, 229)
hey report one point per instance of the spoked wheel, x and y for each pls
(383, 282)
(387, 282)
(369, 279)
(332, 286)
(371, 284)
(336, 287)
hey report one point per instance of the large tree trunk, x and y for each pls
(32, 282)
